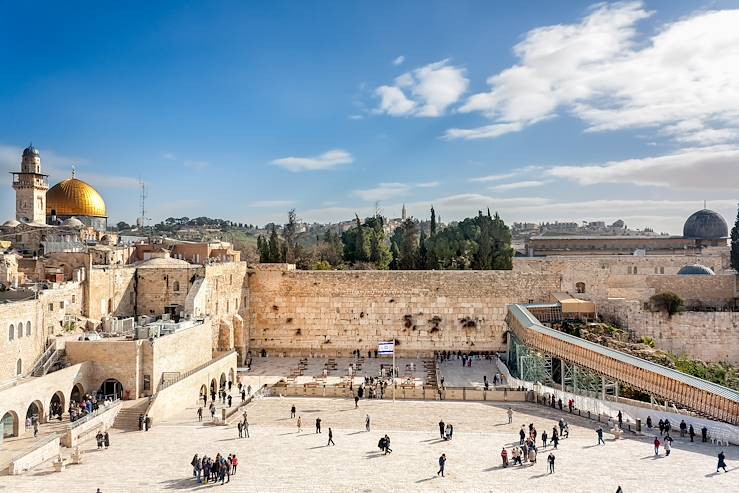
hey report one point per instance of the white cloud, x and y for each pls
(425, 92)
(428, 184)
(399, 60)
(486, 132)
(169, 156)
(488, 178)
(271, 204)
(196, 165)
(518, 185)
(327, 160)
(602, 72)
(383, 191)
(708, 168)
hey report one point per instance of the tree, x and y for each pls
(433, 222)
(274, 255)
(290, 233)
(379, 250)
(735, 243)
(423, 257)
(395, 252)
(406, 237)
(122, 226)
(668, 301)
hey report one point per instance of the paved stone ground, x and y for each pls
(277, 458)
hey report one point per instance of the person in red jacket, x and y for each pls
(234, 463)
(504, 456)
(656, 446)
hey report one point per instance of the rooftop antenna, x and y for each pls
(141, 222)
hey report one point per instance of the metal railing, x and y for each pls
(182, 376)
(45, 356)
(36, 445)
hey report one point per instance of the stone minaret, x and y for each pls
(30, 188)
(402, 213)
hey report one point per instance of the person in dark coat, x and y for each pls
(141, 422)
(704, 434)
(99, 439)
(330, 437)
(106, 439)
(442, 463)
(691, 432)
(721, 462)
(441, 428)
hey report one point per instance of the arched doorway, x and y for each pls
(111, 388)
(10, 424)
(231, 376)
(203, 392)
(35, 413)
(78, 392)
(222, 381)
(56, 405)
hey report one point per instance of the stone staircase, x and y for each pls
(128, 417)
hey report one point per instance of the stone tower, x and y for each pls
(30, 188)
(402, 213)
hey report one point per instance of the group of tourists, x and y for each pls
(442, 356)
(77, 410)
(526, 450)
(665, 426)
(207, 469)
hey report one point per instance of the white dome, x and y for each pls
(73, 222)
(11, 224)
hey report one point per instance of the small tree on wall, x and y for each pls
(668, 301)
(735, 243)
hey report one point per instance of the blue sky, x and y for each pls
(242, 110)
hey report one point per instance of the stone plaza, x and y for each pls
(278, 458)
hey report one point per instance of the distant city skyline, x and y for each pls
(543, 112)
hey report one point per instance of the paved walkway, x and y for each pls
(277, 458)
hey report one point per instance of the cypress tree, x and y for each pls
(274, 246)
(433, 221)
(735, 243)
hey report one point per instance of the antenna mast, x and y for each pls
(141, 222)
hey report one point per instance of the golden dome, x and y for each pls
(73, 197)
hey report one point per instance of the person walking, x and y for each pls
(243, 395)
(683, 428)
(300, 424)
(550, 459)
(330, 437)
(35, 428)
(388, 450)
(441, 428)
(356, 401)
(248, 389)
(668, 445)
(555, 440)
(200, 413)
(510, 414)
(367, 423)
(99, 439)
(292, 411)
(691, 432)
(504, 456)
(246, 427)
(229, 400)
(661, 427)
(318, 425)
(241, 432)
(721, 462)
(212, 410)
(442, 463)
(521, 436)
(194, 463)
(106, 439)
(234, 463)
(656, 446)
(147, 423)
(544, 438)
(620, 419)
(704, 434)
(599, 431)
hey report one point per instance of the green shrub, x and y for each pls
(648, 341)
(668, 301)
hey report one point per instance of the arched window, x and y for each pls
(20, 329)
(177, 285)
(28, 329)
(580, 287)
(19, 367)
(11, 332)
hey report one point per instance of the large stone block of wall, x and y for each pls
(110, 291)
(301, 312)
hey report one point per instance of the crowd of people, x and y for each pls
(213, 469)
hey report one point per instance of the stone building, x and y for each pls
(704, 228)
